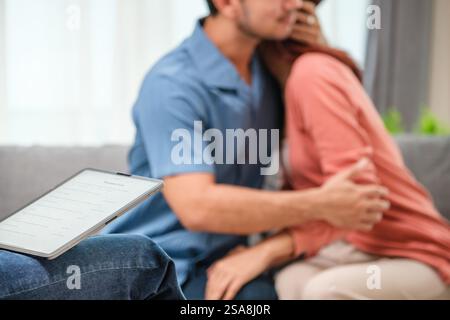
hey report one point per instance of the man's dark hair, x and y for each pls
(212, 7)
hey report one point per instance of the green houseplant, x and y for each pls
(427, 125)
(430, 125)
(393, 121)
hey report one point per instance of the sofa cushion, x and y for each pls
(429, 160)
(26, 173)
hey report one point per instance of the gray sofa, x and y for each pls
(26, 173)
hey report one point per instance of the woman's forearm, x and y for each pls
(277, 250)
(287, 245)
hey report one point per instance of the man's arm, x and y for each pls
(204, 206)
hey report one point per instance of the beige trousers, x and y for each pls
(341, 272)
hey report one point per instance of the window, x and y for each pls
(344, 23)
(70, 70)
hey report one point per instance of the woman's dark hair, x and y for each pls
(297, 49)
(212, 7)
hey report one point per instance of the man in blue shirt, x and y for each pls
(212, 83)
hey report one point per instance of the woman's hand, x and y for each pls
(229, 275)
(308, 29)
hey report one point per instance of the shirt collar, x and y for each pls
(214, 68)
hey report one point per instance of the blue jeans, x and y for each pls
(112, 267)
(262, 288)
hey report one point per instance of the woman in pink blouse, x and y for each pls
(331, 125)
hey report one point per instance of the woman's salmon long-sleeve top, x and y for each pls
(331, 125)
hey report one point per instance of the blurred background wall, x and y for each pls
(440, 60)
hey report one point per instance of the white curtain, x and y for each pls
(70, 70)
(2, 72)
(344, 23)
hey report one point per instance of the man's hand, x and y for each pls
(346, 205)
(307, 29)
